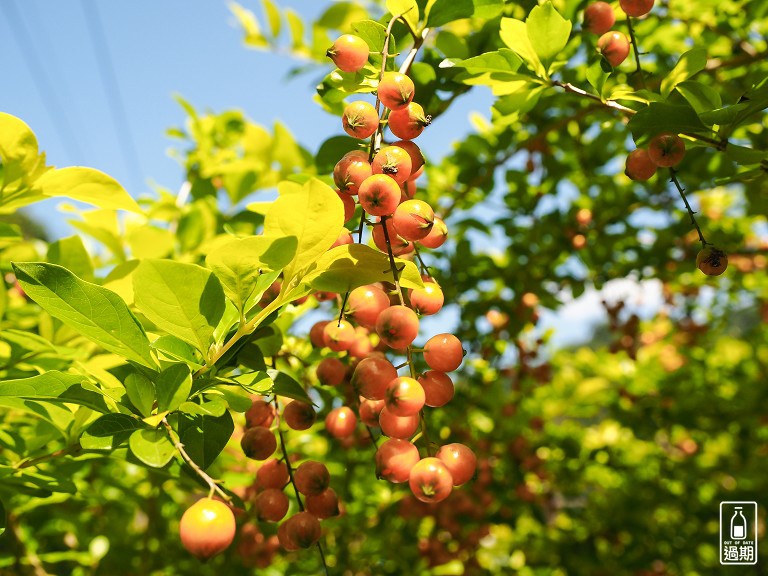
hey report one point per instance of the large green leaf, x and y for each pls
(95, 312)
(346, 267)
(49, 385)
(113, 424)
(690, 63)
(204, 437)
(287, 386)
(313, 214)
(86, 185)
(241, 262)
(548, 32)
(659, 117)
(514, 34)
(152, 447)
(185, 300)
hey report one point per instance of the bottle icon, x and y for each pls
(738, 525)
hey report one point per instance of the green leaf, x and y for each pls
(514, 34)
(548, 32)
(3, 518)
(141, 392)
(152, 447)
(288, 387)
(185, 300)
(596, 77)
(72, 255)
(204, 437)
(95, 312)
(690, 63)
(173, 387)
(313, 214)
(113, 424)
(49, 385)
(701, 97)
(150, 242)
(236, 398)
(253, 35)
(214, 407)
(346, 267)
(86, 185)
(273, 17)
(372, 32)
(726, 115)
(408, 9)
(659, 117)
(744, 155)
(175, 349)
(440, 12)
(241, 262)
(502, 60)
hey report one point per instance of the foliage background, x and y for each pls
(607, 457)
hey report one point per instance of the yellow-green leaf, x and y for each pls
(86, 185)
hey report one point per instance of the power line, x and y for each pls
(46, 89)
(112, 89)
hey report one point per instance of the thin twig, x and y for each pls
(73, 449)
(633, 39)
(681, 190)
(212, 484)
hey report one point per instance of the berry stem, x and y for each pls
(633, 40)
(285, 458)
(392, 264)
(212, 484)
(681, 190)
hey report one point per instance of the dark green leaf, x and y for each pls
(112, 424)
(658, 117)
(440, 12)
(204, 437)
(287, 386)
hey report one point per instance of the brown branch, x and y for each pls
(212, 484)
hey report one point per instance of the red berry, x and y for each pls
(394, 460)
(339, 335)
(360, 119)
(379, 195)
(261, 413)
(350, 172)
(258, 443)
(365, 303)
(428, 300)
(413, 219)
(404, 396)
(331, 371)
(299, 415)
(460, 461)
(302, 530)
(393, 161)
(599, 18)
(397, 326)
(437, 235)
(349, 53)
(614, 46)
(396, 426)
(639, 165)
(430, 480)
(666, 150)
(438, 388)
(341, 422)
(323, 505)
(311, 478)
(443, 352)
(395, 90)
(271, 505)
(371, 377)
(636, 8)
(272, 474)
(407, 123)
(207, 528)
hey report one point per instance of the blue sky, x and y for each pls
(57, 78)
